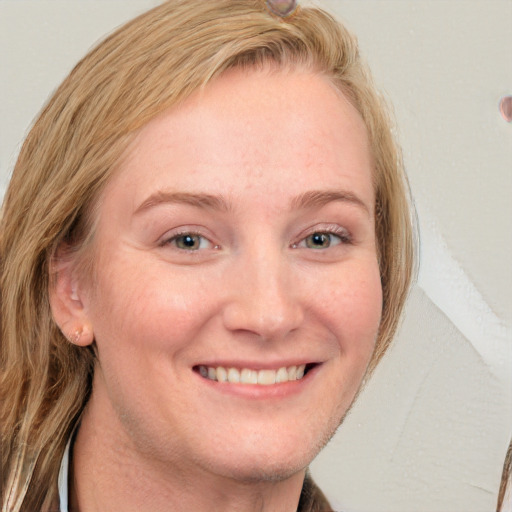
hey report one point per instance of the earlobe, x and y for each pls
(66, 302)
(81, 336)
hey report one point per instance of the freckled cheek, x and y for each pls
(151, 311)
(353, 309)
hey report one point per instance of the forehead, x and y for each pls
(250, 128)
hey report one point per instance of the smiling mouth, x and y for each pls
(251, 376)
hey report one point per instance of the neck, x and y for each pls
(108, 474)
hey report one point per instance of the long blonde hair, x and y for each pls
(145, 67)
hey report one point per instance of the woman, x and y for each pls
(206, 245)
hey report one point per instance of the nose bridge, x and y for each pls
(264, 299)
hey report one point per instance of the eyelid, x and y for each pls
(172, 235)
(331, 229)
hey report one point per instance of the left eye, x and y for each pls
(190, 242)
(320, 240)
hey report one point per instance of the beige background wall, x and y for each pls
(430, 431)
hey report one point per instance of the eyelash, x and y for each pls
(331, 231)
(192, 234)
(341, 233)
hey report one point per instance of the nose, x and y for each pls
(263, 298)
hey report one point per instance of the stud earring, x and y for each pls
(281, 8)
(75, 336)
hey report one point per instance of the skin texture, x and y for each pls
(256, 293)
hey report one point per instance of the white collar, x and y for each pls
(63, 478)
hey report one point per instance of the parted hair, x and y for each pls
(145, 67)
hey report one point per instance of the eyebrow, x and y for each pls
(310, 199)
(207, 201)
(319, 198)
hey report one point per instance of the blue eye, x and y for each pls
(325, 239)
(189, 242)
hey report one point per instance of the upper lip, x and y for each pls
(257, 365)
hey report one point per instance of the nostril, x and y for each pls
(265, 317)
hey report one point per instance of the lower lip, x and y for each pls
(260, 392)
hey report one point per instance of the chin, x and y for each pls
(271, 458)
(268, 471)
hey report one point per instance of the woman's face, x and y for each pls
(236, 242)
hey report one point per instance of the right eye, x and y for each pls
(189, 242)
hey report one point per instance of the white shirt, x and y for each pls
(63, 479)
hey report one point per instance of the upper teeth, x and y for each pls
(248, 376)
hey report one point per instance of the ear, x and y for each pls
(66, 299)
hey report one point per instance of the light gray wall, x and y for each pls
(429, 432)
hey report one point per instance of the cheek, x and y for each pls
(353, 308)
(142, 307)
(144, 310)
(144, 328)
